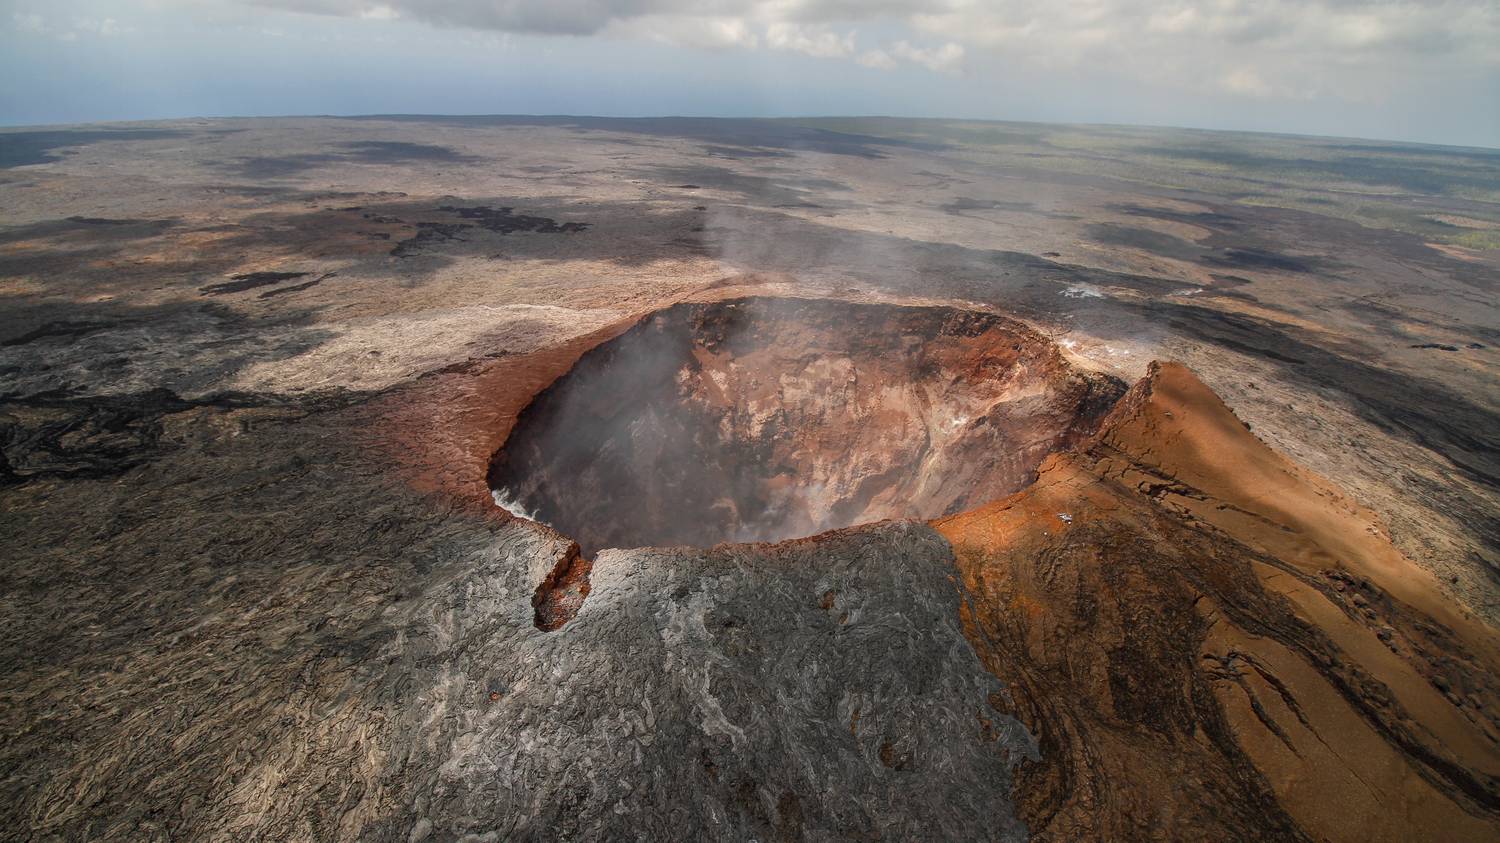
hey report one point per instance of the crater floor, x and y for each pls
(763, 419)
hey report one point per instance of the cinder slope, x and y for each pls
(1218, 645)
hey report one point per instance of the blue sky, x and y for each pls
(1425, 71)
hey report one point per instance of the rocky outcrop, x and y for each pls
(1211, 643)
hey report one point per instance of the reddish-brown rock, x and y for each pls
(1211, 643)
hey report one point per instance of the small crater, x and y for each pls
(766, 419)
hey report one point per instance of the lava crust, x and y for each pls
(761, 419)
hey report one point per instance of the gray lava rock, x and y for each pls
(250, 655)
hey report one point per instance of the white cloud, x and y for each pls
(700, 33)
(31, 22)
(547, 17)
(1261, 48)
(1247, 83)
(381, 12)
(879, 59)
(948, 58)
(1180, 19)
(1308, 65)
(105, 27)
(812, 41)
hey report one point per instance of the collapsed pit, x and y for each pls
(763, 419)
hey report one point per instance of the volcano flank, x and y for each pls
(1158, 589)
(516, 478)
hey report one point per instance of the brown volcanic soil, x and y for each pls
(1214, 644)
(762, 419)
(253, 585)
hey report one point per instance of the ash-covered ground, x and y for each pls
(253, 374)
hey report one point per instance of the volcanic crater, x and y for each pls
(763, 419)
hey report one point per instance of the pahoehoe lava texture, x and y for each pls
(762, 419)
(254, 584)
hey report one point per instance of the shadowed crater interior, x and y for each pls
(763, 419)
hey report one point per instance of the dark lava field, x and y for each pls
(514, 478)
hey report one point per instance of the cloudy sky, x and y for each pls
(1426, 70)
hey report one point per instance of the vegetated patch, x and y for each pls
(1435, 345)
(250, 281)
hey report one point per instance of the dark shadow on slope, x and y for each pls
(784, 191)
(87, 230)
(64, 248)
(717, 132)
(962, 204)
(400, 152)
(1208, 219)
(249, 281)
(19, 149)
(1440, 172)
(358, 152)
(1155, 242)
